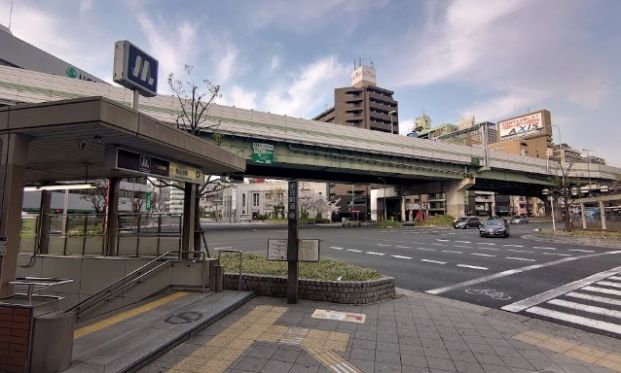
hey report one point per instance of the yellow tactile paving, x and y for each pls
(332, 361)
(226, 347)
(95, 327)
(579, 351)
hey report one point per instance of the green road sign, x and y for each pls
(149, 198)
(71, 72)
(262, 153)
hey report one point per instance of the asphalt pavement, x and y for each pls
(458, 264)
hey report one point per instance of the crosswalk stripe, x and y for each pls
(585, 321)
(602, 290)
(486, 243)
(484, 255)
(544, 248)
(513, 245)
(375, 253)
(471, 266)
(610, 284)
(401, 257)
(383, 245)
(618, 278)
(581, 250)
(594, 298)
(586, 308)
(519, 251)
(452, 251)
(556, 254)
(441, 240)
(518, 258)
(463, 241)
(403, 247)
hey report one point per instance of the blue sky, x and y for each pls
(487, 58)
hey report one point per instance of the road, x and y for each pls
(517, 273)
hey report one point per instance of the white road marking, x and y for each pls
(556, 254)
(473, 267)
(586, 308)
(488, 248)
(544, 248)
(425, 249)
(375, 253)
(453, 251)
(513, 245)
(609, 284)
(596, 289)
(519, 251)
(435, 231)
(403, 247)
(417, 243)
(432, 261)
(595, 324)
(486, 243)
(440, 240)
(516, 270)
(485, 255)
(383, 245)
(336, 248)
(401, 257)
(438, 244)
(223, 248)
(463, 241)
(518, 258)
(618, 278)
(462, 246)
(594, 298)
(354, 250)
(553, 293)
(581, 250)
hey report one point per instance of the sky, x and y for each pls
(449, 59)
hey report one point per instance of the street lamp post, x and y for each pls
(588, 153)
(392, 113)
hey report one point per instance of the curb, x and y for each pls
(612, 244)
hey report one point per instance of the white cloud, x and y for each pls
(85, 6)
(240, 97)
(275, 64)
(226, 64)
(308, 89)
(406, 126)
(174, 48)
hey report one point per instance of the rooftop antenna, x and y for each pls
(359, 61)
(10, 15)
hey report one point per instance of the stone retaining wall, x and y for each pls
(347, 292)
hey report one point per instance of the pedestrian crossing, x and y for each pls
(593, 303)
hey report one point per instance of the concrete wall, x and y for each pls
(92, 274)
(128, 246)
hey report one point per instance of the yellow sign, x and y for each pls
(185, 173)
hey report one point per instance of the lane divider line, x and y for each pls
(402, 257)
(336, 248)
(375, 253)
(472, 267)
(518, 258)
(483, 255)
(354, 250)
(432, 261)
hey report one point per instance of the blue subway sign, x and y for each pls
(135, 69)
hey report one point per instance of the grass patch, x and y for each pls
(438, 221)
(585, 234)
(326, 269)
(28, 227)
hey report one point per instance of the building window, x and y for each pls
(244, 200)
(255, 199)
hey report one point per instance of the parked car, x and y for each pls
(519, 220)
(466, 222)
(494, 228)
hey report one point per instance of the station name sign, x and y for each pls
(147, 165)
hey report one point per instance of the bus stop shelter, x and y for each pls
(94, 138)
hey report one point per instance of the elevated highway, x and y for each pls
(316, 150)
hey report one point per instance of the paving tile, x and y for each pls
(414, 360)
(289, 355)
(250, 363)
(367, 366)
(517, 362)
(468, 367)
(362, 354)
(388, 357)
(439, 363)
(390, 347)
(381, 367)
(298, 368)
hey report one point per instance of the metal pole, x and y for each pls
(135, 100)
(553, 220)
(583, 217)
(66, 204)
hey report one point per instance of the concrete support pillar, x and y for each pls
(189, 211)
(112, 212)
(583, 216)
(602, 214)
(14, 153)
(455, 193)
(403, 209)
(44, 224)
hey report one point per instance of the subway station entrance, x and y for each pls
(79, 141)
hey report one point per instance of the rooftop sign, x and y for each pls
(135, 69)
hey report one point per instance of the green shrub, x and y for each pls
(439, 221)
(388, 224)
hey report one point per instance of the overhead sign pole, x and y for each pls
(292, 244)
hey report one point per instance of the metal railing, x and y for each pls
(149, 226)
(128, 280)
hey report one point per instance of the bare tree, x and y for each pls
(97, 196)
(564, 187)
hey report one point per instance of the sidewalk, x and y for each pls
(414, 333)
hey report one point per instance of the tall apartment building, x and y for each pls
(363, 104)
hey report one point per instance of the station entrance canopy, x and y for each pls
(90, 138)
